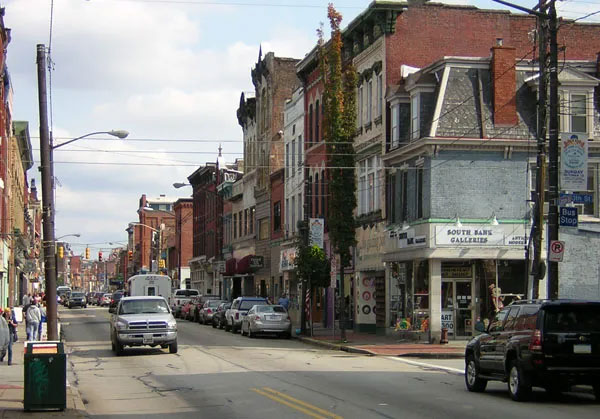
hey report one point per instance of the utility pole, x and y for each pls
(538, 269)
(47, 197)
(552, 280)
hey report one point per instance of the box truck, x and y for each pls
(150, 285)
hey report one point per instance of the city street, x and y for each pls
(218, 374)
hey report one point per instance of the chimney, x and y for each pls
(504, 83)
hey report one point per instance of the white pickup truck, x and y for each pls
(181, 298)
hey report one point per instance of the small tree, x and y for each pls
(339, 126)
(311, 265)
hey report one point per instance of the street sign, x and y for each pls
(557, 250)
(576, 198)
(568, 217)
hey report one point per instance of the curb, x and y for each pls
(72, 391)
(355, 350)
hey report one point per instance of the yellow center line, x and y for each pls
(302, 403)
(288, 404)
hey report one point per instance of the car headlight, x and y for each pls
(172, 325)
(120, 325)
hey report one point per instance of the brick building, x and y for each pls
(182, 243)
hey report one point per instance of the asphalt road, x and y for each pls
(220, 375)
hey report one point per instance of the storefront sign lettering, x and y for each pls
(448, 320)
(475, 235)
(456, 272)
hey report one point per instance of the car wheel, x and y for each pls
(472, 380)
(173, 348)
(519, 385)
(242, 330)
(233, 329)
(227, 327)
(118, 348)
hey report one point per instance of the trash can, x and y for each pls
(45, 372)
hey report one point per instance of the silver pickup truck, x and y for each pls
(143, 321)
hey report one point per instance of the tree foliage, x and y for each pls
(312, 264)
(339, 128)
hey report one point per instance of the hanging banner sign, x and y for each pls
(573, 162)
(316, 230)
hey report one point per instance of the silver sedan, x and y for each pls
(267, 319)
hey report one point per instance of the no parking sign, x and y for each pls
(557, 250)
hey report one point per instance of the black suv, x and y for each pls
(114, 300)
(544, 343)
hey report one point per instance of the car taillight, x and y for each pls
(536, 341)
(237, 316)
(257, 318)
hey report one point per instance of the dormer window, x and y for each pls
(415, 119)
(578, 112)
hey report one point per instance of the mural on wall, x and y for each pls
(365, 300)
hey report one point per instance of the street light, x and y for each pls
(159, 231)
(48, 210)
(68, 235)
(178, 185)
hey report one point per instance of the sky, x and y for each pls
(170, 72)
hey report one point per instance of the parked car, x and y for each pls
(96, 298)
(267, 319)
(180, 298)
(114, 300)
(238, 310)
(218, 319)
(143, 321)
(543, 343)
(76, 299)
(207, 311)
(105, 299)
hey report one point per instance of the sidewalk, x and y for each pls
(11, 389)
(384, 345)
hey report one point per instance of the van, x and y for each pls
(151, 285)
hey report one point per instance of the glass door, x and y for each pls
(463, 324)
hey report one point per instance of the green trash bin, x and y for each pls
(45, 376)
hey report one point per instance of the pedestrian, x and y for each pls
(42, 320)
(284, 301)
(4, 337)
(26, 300)
(34, 316)
(11, 320)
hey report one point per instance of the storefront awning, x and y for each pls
(249, 264)
(230, 267)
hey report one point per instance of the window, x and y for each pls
(287, 161)
(497, 324)
(251, 229)
(235, 231)
(246, 216)
(293, 129)
(511, 318)
(369, 100)
(277, 216)
(390, 198)
(310, 123)
(404, 195)
(310, 196)
(240, 223)
(317, 109)
(379, 94)
(292, 227)
(360, 106)
(287, 216)
(263, 226)
(323, 193)
(394, 126)
(299, 152)
(578, 114)
(293, 167)
(419, 195)
(414, 113)
(299, 201)
(368, 185)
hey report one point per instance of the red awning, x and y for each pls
(249, 264)
(230, 267)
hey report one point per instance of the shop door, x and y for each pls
(457, 308)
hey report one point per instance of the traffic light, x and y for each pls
(61, 252)
(130, 255)
(99, 256)
(87, 252)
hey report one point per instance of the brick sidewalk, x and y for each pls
(384, 345)
(11, 389)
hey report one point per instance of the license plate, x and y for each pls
(582, 349)
(275, 318)
(147, 339)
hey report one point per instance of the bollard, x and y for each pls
(444, 338)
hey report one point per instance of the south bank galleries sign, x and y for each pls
(471, 235)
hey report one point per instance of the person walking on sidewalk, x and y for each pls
(9, 316)
(34, 316)
(4, 337)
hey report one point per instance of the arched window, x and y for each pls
(317, 110)
(309, 137)
(309, 198)
(323, 208)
